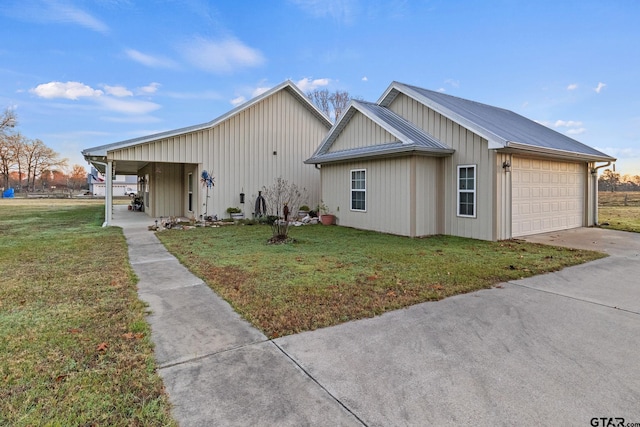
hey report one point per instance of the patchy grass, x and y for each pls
(335, 274)
(74, 341)
(619, 210)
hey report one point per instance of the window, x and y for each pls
(359, 190)
(467, 191)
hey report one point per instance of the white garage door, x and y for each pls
(547, 195)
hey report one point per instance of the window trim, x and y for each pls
(358, 190)
(459, 191)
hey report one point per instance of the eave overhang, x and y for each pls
(520, 148)
(380, 152)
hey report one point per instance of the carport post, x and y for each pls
(108, 200)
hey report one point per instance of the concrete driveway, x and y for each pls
(557, 349)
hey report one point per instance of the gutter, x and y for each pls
(519, 147)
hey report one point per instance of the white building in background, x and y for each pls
(123, 185)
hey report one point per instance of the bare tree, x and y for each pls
(320, 97)
(339, 101)
(331, 104)
(7, 120)
(37, 158)
(283, 200)
(8, 158)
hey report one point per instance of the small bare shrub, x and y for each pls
(283, 200)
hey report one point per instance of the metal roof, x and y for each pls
(502, 128)
(410, 137)
(101, 151)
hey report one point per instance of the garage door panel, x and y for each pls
(546, 195)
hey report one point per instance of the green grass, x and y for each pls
(623, 218)
(335, 274)
(74, 341)
(619, 210)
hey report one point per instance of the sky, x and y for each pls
(82, 73)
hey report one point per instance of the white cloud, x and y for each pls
(53, 11)
(308, 85)
(132, 106)
(567, 123)
(131, 119)
(453, 83)
(150, 60)
(576, 131)
(441, 90)
(365, 79)
(259, 91)
(68, 90)
(573, 127)
(221, 56)
(118, 91)
(111, 100)
(340, 10)
(64, 12)
(208, 94)
(238, 100)
(149, 89)
(600, 86)
(572, 86)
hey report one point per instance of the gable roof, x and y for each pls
(503, 129)
(411, 138)
(96, 153)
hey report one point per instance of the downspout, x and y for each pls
(108, 195)
(594, 177)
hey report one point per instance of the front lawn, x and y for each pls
(75, 348)
(336, 274)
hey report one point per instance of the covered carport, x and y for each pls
(166, 188)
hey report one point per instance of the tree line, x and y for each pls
(29, 165)
(614, 181)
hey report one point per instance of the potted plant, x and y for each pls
(235, 213)
(303, 211)
(326, 217)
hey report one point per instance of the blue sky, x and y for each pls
(85, 73)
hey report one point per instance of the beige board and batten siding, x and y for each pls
(470, 149)
(360, 132)
(502, 196)
(547, 195)
(388, 194)
(245, 152)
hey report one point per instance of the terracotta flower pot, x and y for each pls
(327, 219)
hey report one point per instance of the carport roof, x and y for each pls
(503, 129)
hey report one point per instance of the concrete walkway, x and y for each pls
(561, 348)
(217, 368)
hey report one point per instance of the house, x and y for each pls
(246, 149)
(122, 185)
(419, 162)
